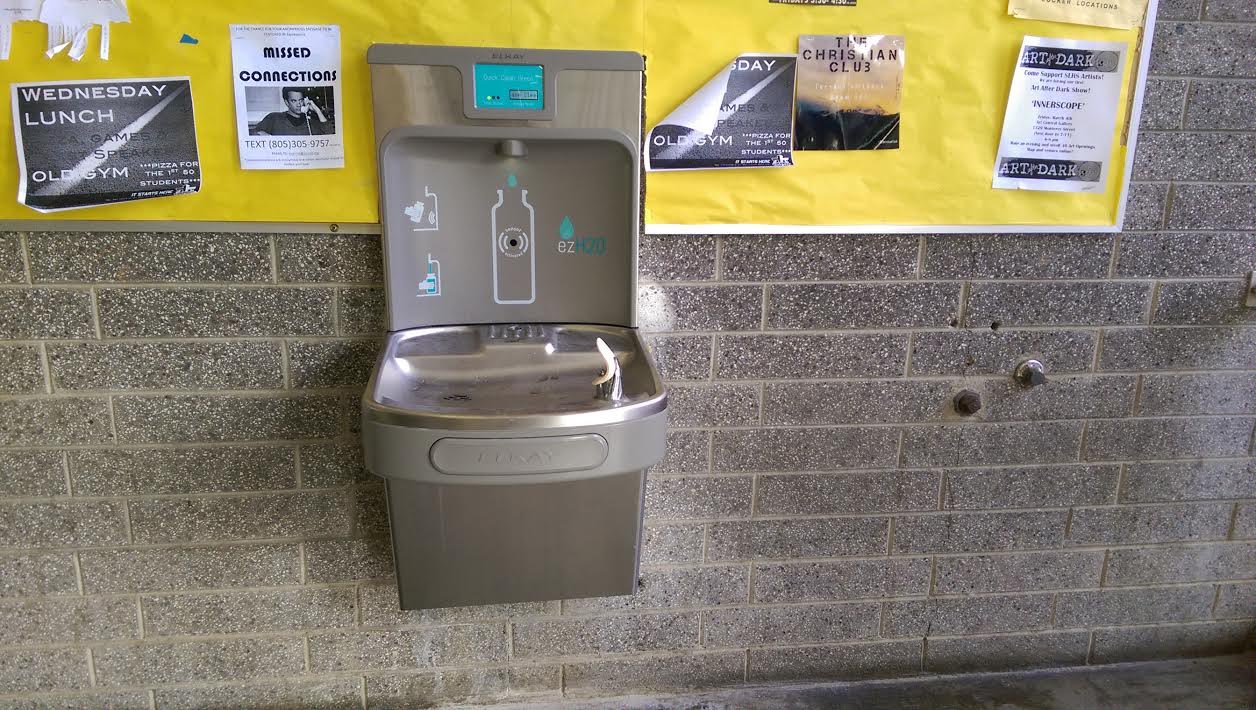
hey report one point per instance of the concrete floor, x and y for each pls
(1208, 683)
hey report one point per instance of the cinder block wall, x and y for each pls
(185, 520)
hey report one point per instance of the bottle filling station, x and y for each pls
(514, 408)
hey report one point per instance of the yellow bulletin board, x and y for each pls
(960, 59)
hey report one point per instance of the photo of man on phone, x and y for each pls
(303, 116)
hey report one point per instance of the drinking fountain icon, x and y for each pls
(430, 286)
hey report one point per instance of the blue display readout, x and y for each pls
(514, 87)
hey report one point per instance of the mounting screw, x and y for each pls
(967, 402)
(1031, 373)
(335, 228)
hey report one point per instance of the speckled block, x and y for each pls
(1017, 256)
(21, 370)
(682, 357)
(48, 621)
(854, 661)
(219, 417)
(379, 609)
(32, 473)
(115, 472)
(1189, 480)
(347, 560)
(697, 497)
(12, 265)
(1112, 607)
(676, 258)
(672, 544)
(810, 537)
(1184, 254)
(419, 648)
(1146, 643)
(790, 625)
(979, 532)
(845, 493)
(149, 257)
(183, 661)
(840, 580)
(48, 313)
(1061, 303)
(1197, 157)
(329, 693)
(173, 568)
(329, 258)
(1230, 49)
(1139, 439)
(397, 691)
(1187, 563)
(193, 614)
(820, 306)
(1204, 303)
(612, 634)
(332, 363)
(662, 307)
(967, 615)
(805, 449)
(716, 405)
(809, 356)
(1213, 207)
(1179, 349)
(166, 366)
(657, 674)
(1162, 104)
(1038, 487)
(1129, 524)
(828, 257)
(676, 587)
(1000, 653)
(1219, 104)
(190, 312)
(1017, 572)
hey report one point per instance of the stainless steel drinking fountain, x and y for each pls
(514, 409)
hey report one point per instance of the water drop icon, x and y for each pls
(565, 230)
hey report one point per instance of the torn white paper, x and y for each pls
(69, 22)
(1061, 116)
(14, 11)
(741, 118)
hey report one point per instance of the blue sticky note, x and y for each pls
(188, 39)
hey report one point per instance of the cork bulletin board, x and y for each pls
(960, 60)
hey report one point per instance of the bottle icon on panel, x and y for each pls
(430, 286)
(514, 259)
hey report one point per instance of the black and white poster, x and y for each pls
(87, 143)
(1061, 116)
(287, 96)
(742, 118)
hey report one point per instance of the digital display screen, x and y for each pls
(511, 87)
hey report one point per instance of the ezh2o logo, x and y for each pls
(569, 244)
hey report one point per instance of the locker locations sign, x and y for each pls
(87, 143)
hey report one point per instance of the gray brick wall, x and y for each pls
(185, 521)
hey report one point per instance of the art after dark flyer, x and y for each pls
(86, 143)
